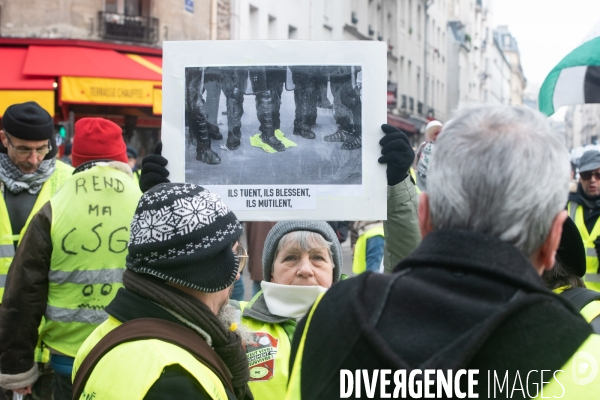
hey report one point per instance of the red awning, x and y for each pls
(12, 77)
(401, 123)
(84, 62)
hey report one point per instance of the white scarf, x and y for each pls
(290, 301)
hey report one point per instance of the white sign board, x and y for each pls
(279, 129)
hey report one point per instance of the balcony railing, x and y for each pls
(127, 28)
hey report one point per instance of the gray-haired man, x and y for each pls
(470, 297)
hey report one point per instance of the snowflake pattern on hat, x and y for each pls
(184, 216)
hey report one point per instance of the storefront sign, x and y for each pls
(45, 98)
(107, 91)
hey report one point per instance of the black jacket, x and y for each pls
(460, 300)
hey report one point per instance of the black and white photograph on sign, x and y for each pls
(279, 129)
(273, 124)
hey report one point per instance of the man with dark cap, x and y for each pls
(584, 209)
(29, 174)
(70, 262)
(183, 260)
(132, 156)
(66, 158)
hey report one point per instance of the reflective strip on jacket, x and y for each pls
(294, 385)
(359, 263)
(129, 370)
(7, 249)
(413, 175)
(268, 358)
(91, 216)
(592, 277)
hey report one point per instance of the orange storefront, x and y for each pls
(84, 78)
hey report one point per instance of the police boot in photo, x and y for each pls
(199, 130)
(351, 100)
(212, 85)
(234, 85)
(265, 107)
(304, 96)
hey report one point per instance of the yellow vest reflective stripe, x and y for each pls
(359, 263)
(294, 386)
(91, 215)
(414, 177)
(591, 278)
(112, 378)
(267, 360)
(580, 376)
(7, 249)
(590, 311)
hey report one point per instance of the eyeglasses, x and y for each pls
(587, 175)
(26, 152)
(242, 256)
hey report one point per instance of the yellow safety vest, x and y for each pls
(579, 379)
(7, 248)
(267, 360)
(414, 177)
(590, 311)
(592, 277)
(294, 386)
(91, 216)
(359, 263)
(129, 370)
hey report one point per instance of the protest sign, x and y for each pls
(279, 129)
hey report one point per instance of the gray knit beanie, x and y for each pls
(284, 227)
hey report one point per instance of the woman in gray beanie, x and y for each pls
(301, 260)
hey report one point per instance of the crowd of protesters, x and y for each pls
(119, 284)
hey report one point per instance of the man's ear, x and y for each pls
(544, 258)
(3, 138)
(424, 216)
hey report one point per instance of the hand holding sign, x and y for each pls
(397, 153)
(153, 169)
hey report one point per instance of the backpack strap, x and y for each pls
(580, 297)
(153, 328)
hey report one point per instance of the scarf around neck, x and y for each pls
(226, 344)
(16, 181)
(288, 300)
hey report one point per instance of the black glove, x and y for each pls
(397, 153)
(153, 169)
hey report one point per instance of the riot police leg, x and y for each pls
(195, 117)
(199, 129)
(264, 110)
(341, 113)
(234, 85)
(351, 100)
(304, 90)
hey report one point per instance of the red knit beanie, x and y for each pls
(97, 139)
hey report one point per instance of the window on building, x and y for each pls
(111, 6)
(292, 32)
(418, 96)
(254, 22)
(327, 32)
(410, 16)
(419, 22)
(272, 27)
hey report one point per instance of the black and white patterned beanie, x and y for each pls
(183, 233)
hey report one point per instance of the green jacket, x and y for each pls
(402, 234)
